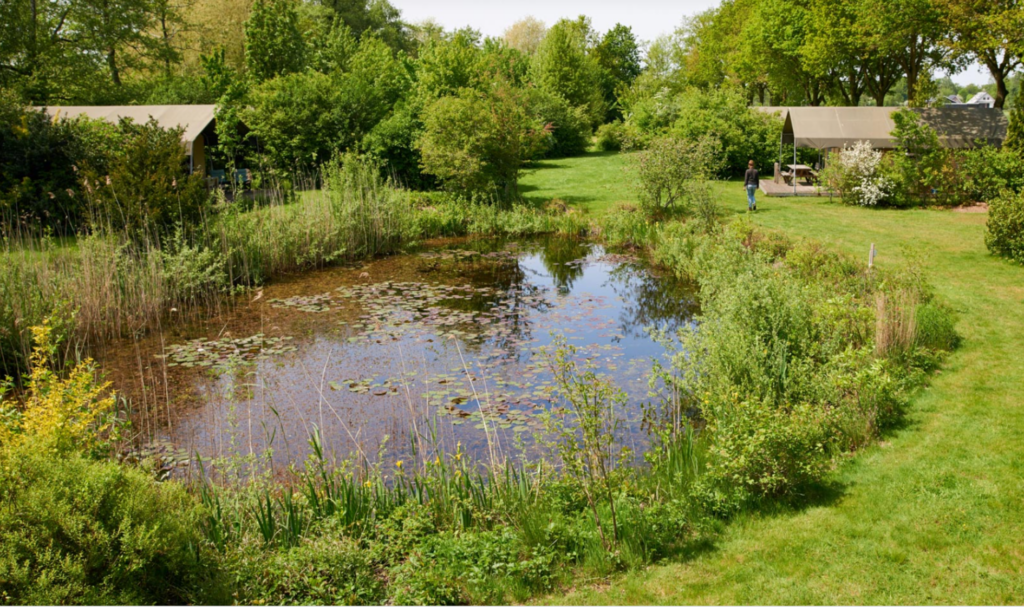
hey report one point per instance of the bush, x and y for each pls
(328, 569)
(855, 174)
(743, 133)
(668, 170)
(567, 126)
(610, 137)
(144, 189)
(1005, 233)
(478, 143)
(78, 531)
(38, 156)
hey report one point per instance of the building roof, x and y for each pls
(192, 118)
(837, 127)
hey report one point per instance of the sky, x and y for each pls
(648, 18)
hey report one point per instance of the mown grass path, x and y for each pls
(934, 514)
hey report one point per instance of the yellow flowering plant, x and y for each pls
(71, 413)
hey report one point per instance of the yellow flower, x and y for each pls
(368, 484)
(398, 464)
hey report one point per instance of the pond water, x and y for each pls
(443, 346)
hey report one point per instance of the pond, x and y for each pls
(445, 346)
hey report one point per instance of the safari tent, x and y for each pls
(197, 121)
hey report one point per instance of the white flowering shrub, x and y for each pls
(856, 174)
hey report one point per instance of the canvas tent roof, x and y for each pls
(837, 127)
(192, 118)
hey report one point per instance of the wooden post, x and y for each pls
(871, 256)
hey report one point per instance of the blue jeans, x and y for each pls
(750, 196)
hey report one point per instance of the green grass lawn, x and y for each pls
(934, 514)
(596, 182)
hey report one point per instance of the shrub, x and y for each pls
(38, 160)
(78, 531)
(328, 569)
(567, 126)
(855, 174)
(60, 414)
(478, 143)
(610, 137)
(144, 190)
(1005, 233)
(668, 169)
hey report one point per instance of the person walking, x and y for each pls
(751, 182)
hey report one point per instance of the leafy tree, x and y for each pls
(618, 54)
(911, 32)
(273, 43)
(990, 32)
(526, 35)
(297, 120)
(478, 142)
(377, 17)
(564, 66)
(449, 63)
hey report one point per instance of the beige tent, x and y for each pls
(825, 128)
(194, 119)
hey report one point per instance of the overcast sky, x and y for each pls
(648, 18)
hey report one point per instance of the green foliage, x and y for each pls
(618, 54)
(75, 530)
(799, 360)
(326, 569)
(144, 189)
(1005, 233)
(273, 42)
(478, 143)
(744, 134)
(563, 66)
(917, 165)
(301, 120)
(38, 156)
(670, 169)
(610, 137)
(1015, 130)
(567, 126)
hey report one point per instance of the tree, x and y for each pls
(478, 142)
(273, 43)
(526, 35)
(564, 66)
(990, 32)
(779, 29)
(118, 31)
(912, 33)
(618, 54)
(834, 50)
(449, 63)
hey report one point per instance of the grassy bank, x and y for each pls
(935, 513)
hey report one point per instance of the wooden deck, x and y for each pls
(781, 189)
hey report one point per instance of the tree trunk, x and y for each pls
(115, 75)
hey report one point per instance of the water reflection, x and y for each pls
(430, 349)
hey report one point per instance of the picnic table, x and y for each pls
(800, 171)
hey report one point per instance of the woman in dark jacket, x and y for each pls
(751, 182)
